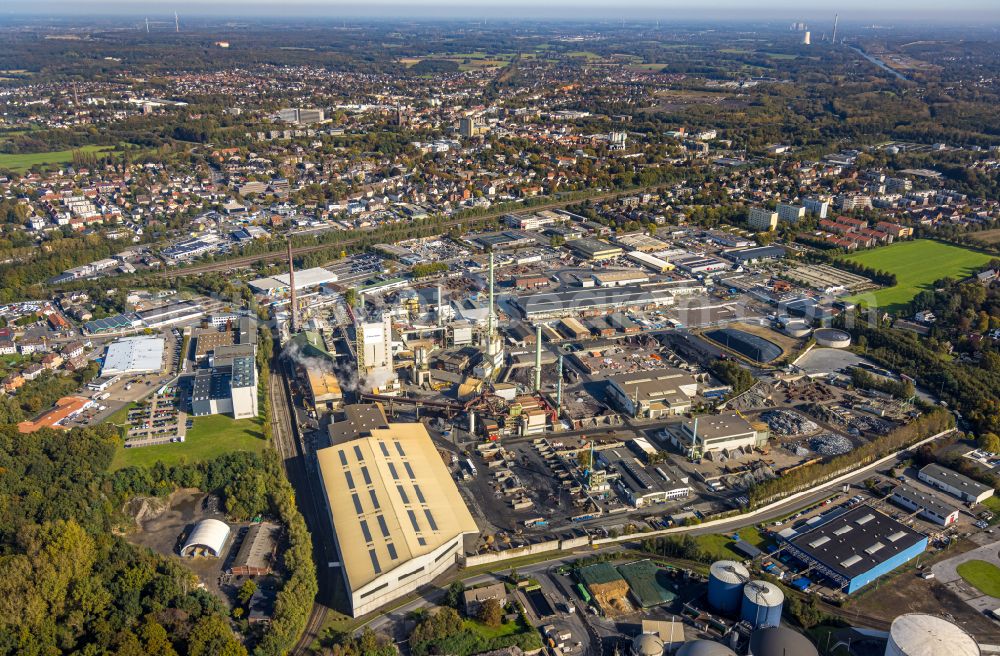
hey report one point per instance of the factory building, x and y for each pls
(750, 255)
(142, 354)
(929, 506)
(955, 484)
(398, 517)
(256, 553)
(304, 279)
(169, 314)
(642, 484)
(592, 302)
(619, 278)
(854, 547)
(701, 264)
(718, 433)
(226, 389)
(593, 250)
(653, 394)
(651, 262)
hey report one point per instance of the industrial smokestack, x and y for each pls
(440, 307)
(491, 319)
(538, 358)
(559, 384)
(291, 283)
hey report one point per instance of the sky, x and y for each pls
(664, 10)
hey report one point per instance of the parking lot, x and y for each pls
(157, 421)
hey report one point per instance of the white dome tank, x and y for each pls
(917, 634)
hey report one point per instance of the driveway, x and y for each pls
(946, 572)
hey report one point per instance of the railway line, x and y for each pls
(240, 262)
(297, 461)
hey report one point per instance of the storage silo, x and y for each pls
(704, 648)
(762, 602)
(725, 584)
(917, 634)
(647, 644)
(779, 641)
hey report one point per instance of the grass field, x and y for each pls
(23, 162)
(208, 438)
(981, 575)
(717, 545)
(917, 264)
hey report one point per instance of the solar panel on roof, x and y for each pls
(430, 519)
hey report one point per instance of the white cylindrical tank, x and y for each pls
(917, 634)
(725, 585)
(704, 648)
(797, 328)
(832, 338)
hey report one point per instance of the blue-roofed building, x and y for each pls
(851, 548)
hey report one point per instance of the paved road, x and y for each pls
(946, 572)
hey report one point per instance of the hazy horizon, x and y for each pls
(889, 11)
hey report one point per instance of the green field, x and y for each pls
(717, 545)
(23, 162)
(917, 264)
(209, 438)
(981, 575)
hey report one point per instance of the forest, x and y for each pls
(74, 584)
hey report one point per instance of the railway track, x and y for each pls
(240, 262)
(295, 458)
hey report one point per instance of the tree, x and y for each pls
(246, 496)
(453, 597)
(990, 442)
(211, 636)
(491, 612)
(246, 592)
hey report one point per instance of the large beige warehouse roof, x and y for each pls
(392, 500)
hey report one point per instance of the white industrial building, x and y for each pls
(930, 507)
(651, 262)
(141, 354)
(304, 279)
(226, 389)
(208, 538)
(654, 393)
(398, 517)
(726, 432)
(955, 484)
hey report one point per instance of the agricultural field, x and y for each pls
(209, 438)
(22, 162)
(916, 264)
